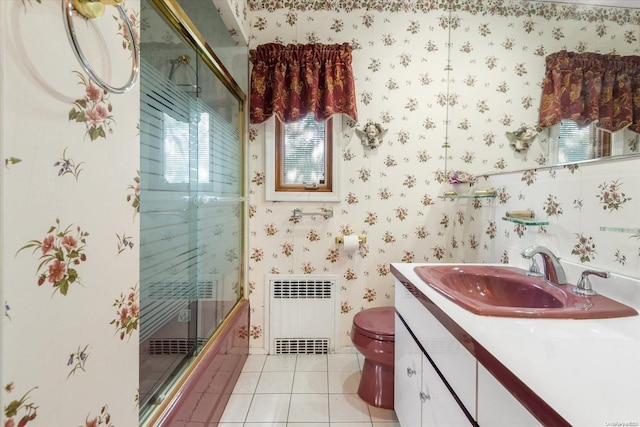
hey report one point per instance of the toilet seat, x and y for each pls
(376, 323)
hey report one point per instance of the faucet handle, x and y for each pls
(534, 269)
(584, 284)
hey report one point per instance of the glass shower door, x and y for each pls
(192, 203)
(168, 230)
(192, 206)
(219, 211)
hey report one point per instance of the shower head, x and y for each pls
(192, 89)
(182, 59)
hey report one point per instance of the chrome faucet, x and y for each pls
(584, 284)
(553, 271)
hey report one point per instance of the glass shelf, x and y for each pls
(621, 230)
(525, 221)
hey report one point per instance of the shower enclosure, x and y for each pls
(192, 193)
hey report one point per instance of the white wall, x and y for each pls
(62, 350)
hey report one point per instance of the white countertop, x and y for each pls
(586, 370)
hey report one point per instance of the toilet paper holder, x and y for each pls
(361, 239)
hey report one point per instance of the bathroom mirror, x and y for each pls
(497, 68)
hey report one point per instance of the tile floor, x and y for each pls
(302, 391)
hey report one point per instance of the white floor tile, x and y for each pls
(343, 362)
(309, 408)
(263, 425)
(307, 424)
(381, 414)
(351, 424)
(280, 362)
(237, 408)
(302, 391)
(268, 408)
(247, 382)
(344, 382)
(311, 362)
(348, 408)
(275, 382)
(360, 360)
(254, 363)
(310, 382)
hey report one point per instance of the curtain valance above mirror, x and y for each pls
(294, 80)
(590, 87)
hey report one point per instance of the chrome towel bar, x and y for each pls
(326, 213)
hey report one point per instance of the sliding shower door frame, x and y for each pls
(178, 19)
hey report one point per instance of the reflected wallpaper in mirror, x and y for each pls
(498, 65)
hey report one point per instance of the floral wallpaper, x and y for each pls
(447, 84)
(589, 212)
(235, 15)
(69, 225)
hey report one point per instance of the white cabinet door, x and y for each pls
(455, 362)
(407, 377)
(497, 407)
(439, 408)
(421, 397)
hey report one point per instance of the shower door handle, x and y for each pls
(205, 200)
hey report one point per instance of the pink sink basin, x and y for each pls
(509, 292)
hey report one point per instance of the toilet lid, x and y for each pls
(378, 322)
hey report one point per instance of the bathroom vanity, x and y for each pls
(457, 368)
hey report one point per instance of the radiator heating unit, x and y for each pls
(302, 314)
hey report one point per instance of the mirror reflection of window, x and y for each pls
(574, 142)
(578, 143)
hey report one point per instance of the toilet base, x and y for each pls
(376, 384)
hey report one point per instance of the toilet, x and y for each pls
(372, 334)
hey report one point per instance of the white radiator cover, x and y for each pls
(302, 313)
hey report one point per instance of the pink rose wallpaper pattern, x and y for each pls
(70, 264)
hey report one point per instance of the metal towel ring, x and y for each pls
(67, 10)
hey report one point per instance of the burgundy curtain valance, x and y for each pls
(588, 87)
(294, 80)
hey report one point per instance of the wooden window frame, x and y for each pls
(602, 145)
(332, 173)
(323, 187)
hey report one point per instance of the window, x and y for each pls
(301, 159)
(303, 155)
